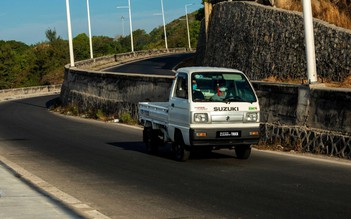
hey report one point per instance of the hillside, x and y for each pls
(337, 12)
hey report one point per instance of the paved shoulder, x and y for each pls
(19, 200)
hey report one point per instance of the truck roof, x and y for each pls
(206, 69)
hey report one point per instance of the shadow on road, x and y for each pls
(166, 151)
(25, 102)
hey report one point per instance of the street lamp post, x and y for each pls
(130, 24)
(309, 40)
(122, 19)
(69, 27)
(187, 24)
(164, 25)
(89, 27)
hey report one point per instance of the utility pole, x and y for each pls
(130, 24)
(89, 27)
(164, 25)
(309, 40)
(69, 27)
(122, 19)
(187, 25)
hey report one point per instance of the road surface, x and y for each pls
(106, 166)
(158, 66)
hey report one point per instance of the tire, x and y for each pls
(243, 151)
(151, 140)
(179, 150)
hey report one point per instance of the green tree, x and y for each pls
(124, 44)
(81, 47)
(50, 57)
(141, 39)
(15, 62)
(51, 35)
(156, 38)
(103, 45)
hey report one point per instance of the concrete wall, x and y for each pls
(113, 93)
(264, 41)
(313, 106)
(18, 93)
(305, 118)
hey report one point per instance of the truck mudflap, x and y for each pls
(223, 138)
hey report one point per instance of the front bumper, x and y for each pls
(212, 138)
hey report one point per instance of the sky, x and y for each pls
(27, 20)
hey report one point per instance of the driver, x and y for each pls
(220, 95)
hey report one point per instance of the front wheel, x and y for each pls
(243, 151)
(180, 153)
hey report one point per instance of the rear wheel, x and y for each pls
(180, 152)
(151, 140)
(243, 151)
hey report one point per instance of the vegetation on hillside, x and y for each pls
(24, 65)
(337, 12)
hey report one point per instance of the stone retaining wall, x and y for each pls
(304, 139)
(263, 42)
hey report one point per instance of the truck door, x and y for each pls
(179, 116)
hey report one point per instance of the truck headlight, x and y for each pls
(200, 117)
(251, 117)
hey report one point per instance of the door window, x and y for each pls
(182, 86)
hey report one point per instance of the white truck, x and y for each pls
(208, 108)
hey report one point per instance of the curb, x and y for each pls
(62, 198)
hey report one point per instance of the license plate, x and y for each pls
(224, 134)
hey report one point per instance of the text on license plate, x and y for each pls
(228, 134)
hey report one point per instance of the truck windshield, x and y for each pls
(221, 87)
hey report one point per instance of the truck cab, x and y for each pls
(210, 108)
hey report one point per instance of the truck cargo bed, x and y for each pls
(154, 111)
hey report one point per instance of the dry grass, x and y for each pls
(346, 83)
(337, 12)
(287, 80)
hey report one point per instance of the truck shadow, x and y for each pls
(166, 151)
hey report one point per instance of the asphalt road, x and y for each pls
(157, 66)
(106, 166)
